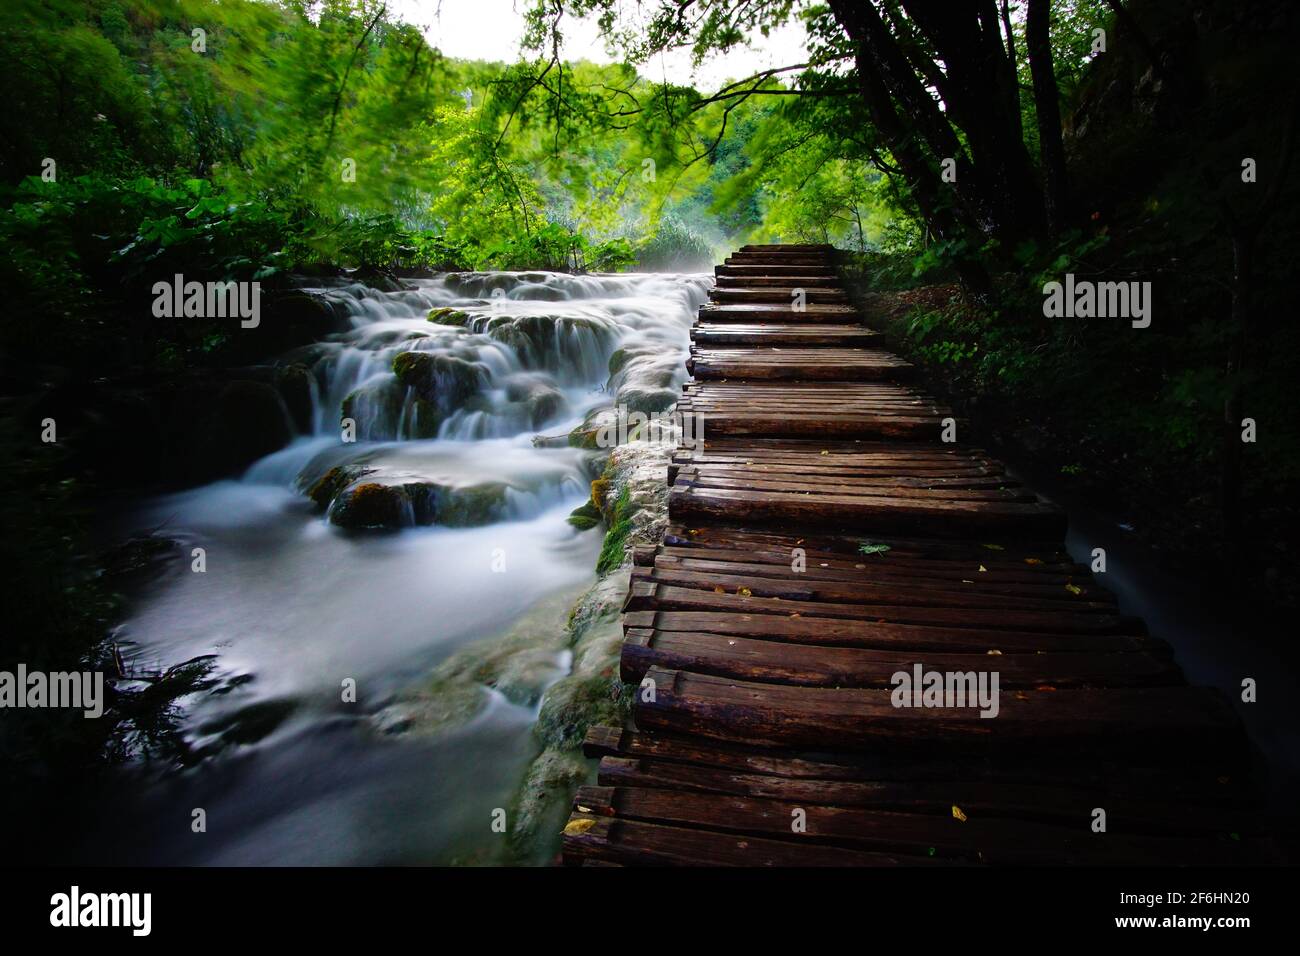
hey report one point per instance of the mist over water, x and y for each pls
(291, 606)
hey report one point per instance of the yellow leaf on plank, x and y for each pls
(745, 592)
(576, 827)
(957, 813)
(1033, 561)
(1074, 589)
(982, 568)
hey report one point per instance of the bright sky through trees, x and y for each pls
(491, 30)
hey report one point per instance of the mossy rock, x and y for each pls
(647, 401)
(583, 437)
(575, 704)
(613, 552)
(373, 505)
(443, 378)
(599, 493)
(376, 408)
(585, 516)
(448, 316)
(326, 488)
(472, 506)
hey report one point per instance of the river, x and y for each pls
(315, 627)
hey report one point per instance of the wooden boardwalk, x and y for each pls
(763, 636)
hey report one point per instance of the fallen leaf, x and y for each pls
(995, 653)
(576, 827)
(1033, 561)
(582, 809)
(995, 547)
(867, 547)
(745, 592)
(957, 813)
(1074, 589)
(982, 568)
(719, 589)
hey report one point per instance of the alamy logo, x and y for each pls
(1084, 299)
(656, 427)
(208, 300)
(79, 690)
(922, 688)
(103, 909)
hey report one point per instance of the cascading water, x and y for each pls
(446, 384)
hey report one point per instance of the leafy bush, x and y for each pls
(674, 247)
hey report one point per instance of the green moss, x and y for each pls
(576, 704)
(444, 378)
(473, 506)
(612, 552)
(599, 493)
(448, 316)
(585, 516)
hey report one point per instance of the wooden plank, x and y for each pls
(1182, 718)
(633, 842)
(718, 334)
(766, 661)
(1188, 783)
(975, 840)
(956, 634)
(754, 281)
(944, 518)
(1138, 807)
(773, 270)
(798, 364)
(779, 312)
(798, 587)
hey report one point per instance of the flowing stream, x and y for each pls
(296, 604)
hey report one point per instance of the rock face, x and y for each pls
(327, 487)
(369, 504)
(444, 379)
(357, 497)
(250, 421)
(294, 383)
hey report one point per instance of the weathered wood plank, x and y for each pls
(1184, 718)
(635, 842)
(768, 661)
(975, 839)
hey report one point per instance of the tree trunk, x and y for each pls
(1038, 47)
